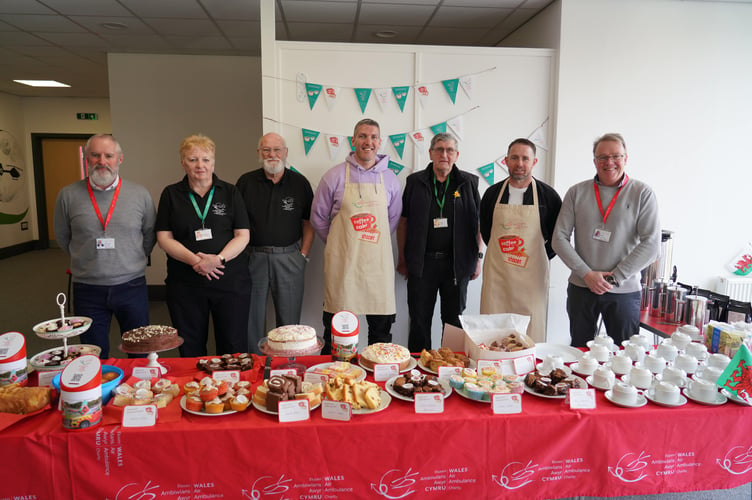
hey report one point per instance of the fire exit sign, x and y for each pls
(87, 116)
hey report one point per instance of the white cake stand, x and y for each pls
(41, 328)
(152, 355)
(291, 355)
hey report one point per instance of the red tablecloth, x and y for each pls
(659, 326)
(547, 451)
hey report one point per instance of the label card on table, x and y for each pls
(448, 371)
(316, 378)
(385, 371)
(280, 372)
(429, 402)
(139, 416)
(45, 378)
(231, 376)
(295, 410)
(524, 364)
(581, 399)
(503, 404)
(336, 410)
(146, 372)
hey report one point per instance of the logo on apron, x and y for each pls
(364, 225)
(513, 250)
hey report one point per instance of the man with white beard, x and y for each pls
(106, 225)
(278, 200)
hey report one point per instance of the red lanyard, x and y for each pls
(613, 200)
(96, 206)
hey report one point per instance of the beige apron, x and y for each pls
(358, 259)
(515, 271)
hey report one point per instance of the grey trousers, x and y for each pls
(283, 274)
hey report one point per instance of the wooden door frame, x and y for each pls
(39, 188)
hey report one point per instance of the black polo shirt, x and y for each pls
(227, 213)
(276, 211)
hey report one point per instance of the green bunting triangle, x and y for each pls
(398, 141)
(439, 128)
(309, 138)
(451, 87)
(349, 143)
(395, 167)
(293, 169)
(400, 94)
(312, 90)
(363, 95)
(487, 171)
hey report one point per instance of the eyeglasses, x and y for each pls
(441, 151)
(606, 158)
(276, 151)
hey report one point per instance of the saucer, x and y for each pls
(680, 385)
(734, 398)
(576, 368)
(641, 400)
(719, 399)
(590, 381)
(651, 397)
(612, 347)
(625, 379)
(611, 365)
(625, 343)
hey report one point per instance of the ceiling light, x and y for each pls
(385, 34)
(42, 83)
(115, 26)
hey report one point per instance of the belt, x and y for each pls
(437, 255)
(270, 249)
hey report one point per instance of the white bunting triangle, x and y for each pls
(334, 143)
(421, 139)
(382, 96)
(331, 94)
(457, 124)
(423, 92)
(467, 83)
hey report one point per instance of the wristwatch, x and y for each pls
(307, 259)
(221, 259)
(611, 280)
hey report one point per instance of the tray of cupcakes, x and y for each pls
(211, 397)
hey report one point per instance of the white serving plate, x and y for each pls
(389, 386)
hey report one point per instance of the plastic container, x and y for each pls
(81, 393)
(108, 388)
(344, 336)
(13, 359)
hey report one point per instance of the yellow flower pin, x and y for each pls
(456, 194)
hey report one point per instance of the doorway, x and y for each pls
(58, 161)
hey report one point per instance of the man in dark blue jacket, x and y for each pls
(438, 239)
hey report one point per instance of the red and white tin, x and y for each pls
(81, 393)
(344, 336)
(13, 359)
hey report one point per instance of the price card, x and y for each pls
(336, 410)
(139, 416)
(581, 399)
(295, 410)
(281, 372)
(385, 371)
(146, 373)
(524, 364)
(45, 378)
(429, 402)
(496, 364)
(231, 376)
(316, 378)
(504, 404)
(448, 371)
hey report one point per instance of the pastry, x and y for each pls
(23, 400)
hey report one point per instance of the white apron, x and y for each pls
(358, 259)
(515, 271)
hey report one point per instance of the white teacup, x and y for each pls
(640, 377)
(640, 340)
(680, 339)
(624, 393)
(718, 360)
(587, 363)
(551, 362)
(667, 351)
(603, 377)
(635, 352)
(703, 390)
(710, 373)
(686, 362)
(666, 392)
(621, 363)
(655, 364)
(696, 349)
(674, 375)
(600, 352)
(605, 340)
(690, 330)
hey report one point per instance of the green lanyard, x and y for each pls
(206, 207)
(441, 202)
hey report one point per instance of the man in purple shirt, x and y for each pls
(356, 207)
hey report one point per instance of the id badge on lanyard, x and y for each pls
(104, 243)
(600, 233)
(204, 233)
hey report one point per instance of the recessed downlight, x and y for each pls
(385, 34)
(42, 83)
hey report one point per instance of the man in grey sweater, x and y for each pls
(106, 225)
(616, 235)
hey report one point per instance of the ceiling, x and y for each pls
(68, 40)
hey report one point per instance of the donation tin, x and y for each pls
(13, 359)
(81, 393)
(344, 336)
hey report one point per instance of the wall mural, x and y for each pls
(14, 199)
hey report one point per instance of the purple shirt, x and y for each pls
(328, 197)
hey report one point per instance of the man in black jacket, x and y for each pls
(438, 240)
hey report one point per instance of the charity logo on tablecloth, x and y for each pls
(515, 475)
(737, 461)
(395, 483)
(630, 467)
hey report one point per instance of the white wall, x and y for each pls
(157, 100)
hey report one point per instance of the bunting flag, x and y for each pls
(349, 143)
(457, 124)
(334, 142)
(742, 263)
(312, 90)
(363, 95)
(538, 136)
(293, 168)
(487, 171)
(423, 92)
(382, 95)
(398, 141)
(420, 139)
(400, 94)
(737, 377)
(395, 167)
(502, 163)
(331, 94)
(467, 82)
(309, 138)
(451, 87)
(439, 128)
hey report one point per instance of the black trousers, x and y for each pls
(620, 311)
(379, 329)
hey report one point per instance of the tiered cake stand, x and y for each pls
(291, 355)
(41, 329)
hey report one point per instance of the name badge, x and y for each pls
(203, 234)
(602, 235)
(105, 243)
(440, 222)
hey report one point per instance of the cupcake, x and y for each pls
(456, 381)
(473, 391)
(191, 387)
(469, 373)
(239, 403)
(194, 403)
(214, 406)
(208, 392)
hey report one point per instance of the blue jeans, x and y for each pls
(620, 311)
(129, 302)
